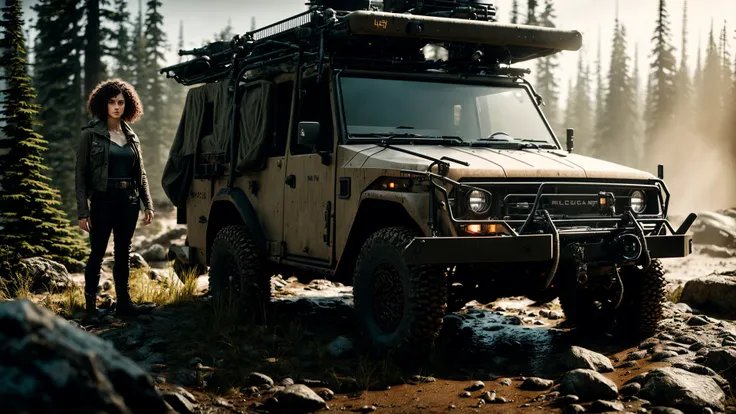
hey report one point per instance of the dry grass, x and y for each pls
(168, 290)
(675, 295)
(67, 304)
(70, 303)
(18, 286)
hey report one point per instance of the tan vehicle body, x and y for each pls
(419, 217)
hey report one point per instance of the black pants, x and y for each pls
(116, 211)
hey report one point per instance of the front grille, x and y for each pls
(514, 201)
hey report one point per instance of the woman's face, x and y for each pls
(116, 106)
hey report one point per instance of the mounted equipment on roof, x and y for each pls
(366, 33)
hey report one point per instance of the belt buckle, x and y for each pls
(123, 184)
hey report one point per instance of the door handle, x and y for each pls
(291, 180)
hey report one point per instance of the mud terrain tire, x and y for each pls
(642, 307)
(237, 269)
(399, 307)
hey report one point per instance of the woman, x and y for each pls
(110, 173)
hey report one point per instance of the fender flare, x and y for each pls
(239, 201)
(415, 204)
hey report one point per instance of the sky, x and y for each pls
(593, 18)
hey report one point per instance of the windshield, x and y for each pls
(472, 112)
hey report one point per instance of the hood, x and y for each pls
(491, 162)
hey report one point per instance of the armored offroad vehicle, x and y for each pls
(331, 145)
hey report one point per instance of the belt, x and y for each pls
(121, 184)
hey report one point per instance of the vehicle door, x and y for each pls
(309, 190)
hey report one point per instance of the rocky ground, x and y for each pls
(508, 356)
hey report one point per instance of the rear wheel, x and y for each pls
(238, 271)
(399, 307)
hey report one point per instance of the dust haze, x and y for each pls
(697, 151)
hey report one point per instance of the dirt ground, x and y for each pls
(210, 349)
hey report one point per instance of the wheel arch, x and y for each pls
(231, 206)
(373, 214)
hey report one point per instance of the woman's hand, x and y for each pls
(85, 224)
(149, 217)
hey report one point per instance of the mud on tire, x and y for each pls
(399, 307)
(237, 269)
(642, 306)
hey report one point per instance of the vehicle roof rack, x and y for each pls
(377, 34)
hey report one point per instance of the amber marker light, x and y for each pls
(474, 228)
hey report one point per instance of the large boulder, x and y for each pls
(45, 274)
(155, 253)
(47, 363)
(164, 239)
(577, 357)
(589, 385)
(715, 227)
(715, 293)
(684, 390)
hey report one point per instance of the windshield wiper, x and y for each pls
(518, 143)
(409, 135)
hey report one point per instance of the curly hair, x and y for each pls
(98, 98)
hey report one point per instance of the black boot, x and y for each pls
(92, 315)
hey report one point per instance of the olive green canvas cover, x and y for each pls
(255, 125)
(191, 143)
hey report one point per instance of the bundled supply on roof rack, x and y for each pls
(354, 33)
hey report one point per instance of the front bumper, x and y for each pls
(529, 248)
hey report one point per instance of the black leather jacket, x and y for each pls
(92, 165)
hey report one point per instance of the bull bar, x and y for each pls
(522, 246)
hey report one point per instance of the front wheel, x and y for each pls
(399, 307)
(642, 307)
(639, 312)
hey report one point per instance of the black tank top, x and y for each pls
(121, 162)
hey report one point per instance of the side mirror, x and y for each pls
(570, 139)
(308, 134)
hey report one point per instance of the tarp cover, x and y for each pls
(256, 109)
(190, 140)
(179, 169)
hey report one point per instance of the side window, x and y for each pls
(315, 106)
(282, 114)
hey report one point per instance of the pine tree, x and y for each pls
(33, 224)
(726, 77)
(600, 90)
(156, 126)
(515, 12)
(682, 79)
(141, 74)
(92, 46)
(57, 78)
(122, 52)
(615, 142)
(579, 110)
(710, 92)
(698, 76)
(662, 93)
(531, 12)
(547, 85)
(638, 126)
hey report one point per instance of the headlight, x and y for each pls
(478, 201)
(638, 201)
